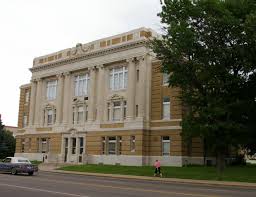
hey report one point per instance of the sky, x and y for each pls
(32, 28)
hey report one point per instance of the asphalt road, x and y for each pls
(65, 185)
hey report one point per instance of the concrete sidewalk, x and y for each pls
(53, 167)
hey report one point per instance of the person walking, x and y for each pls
(157, 168)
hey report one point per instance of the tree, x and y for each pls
(208, 47)
(7, 142)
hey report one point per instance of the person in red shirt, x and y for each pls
(157, 168)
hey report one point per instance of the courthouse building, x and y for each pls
(104, 102)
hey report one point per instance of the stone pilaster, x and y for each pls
(100, 93)
(131, 89)
(142, 87)
(67, 98)
(38, 104)
(59, 109)
(32, 103)
(91, 106)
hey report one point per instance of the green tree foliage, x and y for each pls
(209, 49)
(7, 142)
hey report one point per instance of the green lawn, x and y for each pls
(232, 173)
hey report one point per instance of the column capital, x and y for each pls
(66, 74)
(140, 58)
(130, 60)
(100, 66)
(93, 68)
(35, 80)
(60, 75)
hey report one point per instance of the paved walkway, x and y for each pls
(52, 168)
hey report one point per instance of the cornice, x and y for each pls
(99, 53)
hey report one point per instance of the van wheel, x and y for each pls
(14, 171)
(30, 173)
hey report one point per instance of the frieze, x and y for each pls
(89, 55)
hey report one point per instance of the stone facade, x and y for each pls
(102, 102)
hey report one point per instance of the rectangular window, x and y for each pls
(137, 111)
(117, 111)
(24, 122)
(82, 85)
(132, 143)
(138, 75)
(73, 145)
(44, 145)
(118, 78)
(86, 113)
(80, 115)
(73, 115)
(165, 145)
(124, 110)
(165, 79)
(50, 117)
(112, 145)
(166, 108)
(120, 145)
(27, 96)
(103, 145)
(51, 90)
(81, 145)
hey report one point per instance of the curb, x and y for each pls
(166, 180)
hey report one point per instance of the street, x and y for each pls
(56, 184)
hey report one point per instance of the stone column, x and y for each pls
(100, 93)
(91, 106)
(38, 103)
(106, 92)
(131, 89)
(43, 96)
(142, 86)
(66, 99)
(32, 103)
(59, 104)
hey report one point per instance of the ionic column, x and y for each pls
(32, 103)
(59, 104)
(38, 102)
(142, 86)
(91, 106)
(42, 112)
(67, 96)
(131, 89)
(100, 94)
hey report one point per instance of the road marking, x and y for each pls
(42, 190)
(123, 187)
(127, 188)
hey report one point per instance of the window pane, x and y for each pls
(166, 145)
(73, 145)
(165, 78)
(116, 114)
(80, 115)
(81, 85)
(112, 148)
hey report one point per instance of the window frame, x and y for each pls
(118, 78)
(166, 141)
(82, 85)
(166, 111)
(51, 89)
